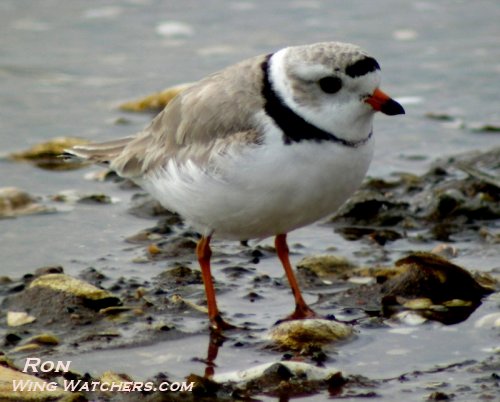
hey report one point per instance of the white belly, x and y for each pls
(264, 191)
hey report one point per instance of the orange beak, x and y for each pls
(382, 102)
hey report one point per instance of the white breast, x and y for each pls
(266, 190)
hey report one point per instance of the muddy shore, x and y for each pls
(48, 313)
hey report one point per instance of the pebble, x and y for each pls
(409, 318)
(154, 102)
(445, 250)
(8, 376)
(28, 347)
(326, 265)
(309, 334)
(18, 318)
(179, 300)
(47, 155)
(73, 286)
(15, 202)
(304, 371)
(491, 320)
(362, 280)
(44, 339)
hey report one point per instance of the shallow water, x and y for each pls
(65, 66)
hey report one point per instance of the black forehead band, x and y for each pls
(362, 67)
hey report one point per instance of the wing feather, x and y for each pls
(214, 114)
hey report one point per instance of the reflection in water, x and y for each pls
(216, 340)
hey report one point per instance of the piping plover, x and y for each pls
(258, 149)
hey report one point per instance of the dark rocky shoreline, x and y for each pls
(458, 199)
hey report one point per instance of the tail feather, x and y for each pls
(101, 153)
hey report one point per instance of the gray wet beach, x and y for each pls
(65, 66)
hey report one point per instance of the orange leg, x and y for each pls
(204, 253)
(302, 310)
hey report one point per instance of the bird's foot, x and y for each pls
(218, 325)
(302, 312)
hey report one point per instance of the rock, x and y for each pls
(455, 122)
(15, 202)
(93, 297)
(381, 274)
(276, 372)
(154, 102)
(439, 396)
(458, 303)
(180, 276)
(445, 250)
(286, 379)
(111, 377)
(418, 304)
(96, 199)
(362, 280)
(438, 205)
(167, 242)
(72, 197)
(480, 173)
(309, 334)
(49, 270)
(115, 310)
(102, 176)
(45, 391)
(422, 284)
(490, 236)
(491, 320)
(145, 206)
(36, 342)
(440, 116)
(433, 287)
(18, 318)
(27, 348)
(237, 272)
(409, 317)
(431, 276)
(44, 339)
(485, 127)
(175, 246)
(11, 339)
(368, 207)
(379, 236)
(59, 301)
(326, 266)
(5, 280)
(47, 155)
(181, 302)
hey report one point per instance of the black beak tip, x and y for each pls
(392, 108)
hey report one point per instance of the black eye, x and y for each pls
(330, 85)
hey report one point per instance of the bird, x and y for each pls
(258, 149)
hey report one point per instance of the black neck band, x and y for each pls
(294, 127)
